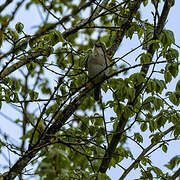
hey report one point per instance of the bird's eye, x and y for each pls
(98, 45)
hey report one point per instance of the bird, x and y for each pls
(98, 62)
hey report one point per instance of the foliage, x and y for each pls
(65, 133)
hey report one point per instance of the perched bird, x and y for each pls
(97, 62)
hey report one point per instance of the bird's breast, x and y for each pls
(94, 71)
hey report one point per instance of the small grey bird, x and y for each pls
(97, 62)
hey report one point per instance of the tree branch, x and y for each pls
(158, 30)
(65, 34)
(111, 51)
(124, 28)
(138, 159)
(5, 5)
(175, 175)
(19, 64)
(123, 121)
(59, 120)
(54, 25)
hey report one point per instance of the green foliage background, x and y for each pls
(46, 69)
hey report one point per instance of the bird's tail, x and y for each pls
(97, 92)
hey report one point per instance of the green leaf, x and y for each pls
(33, 95)
(152, 125)
(31, 67)
(138, 137)
(173, 162)
(160, 120)
(155, 44)
(45, 88)
(8, 94)
(99, 176)
(137, 78)
(157, 170)
(145, 2)
(145, 160)
(170, 35)
(171, 55)
(178, 86)
(128, 111)
(158, 103)
(56, 37)
(48, 50)
(130, 33)
(22, 44)
(167, 39)
(132, 30)
(131, 93)
(177, 130)
(174, 98)
(160, 85)
(173, 69)
(33, 43)
(95, 164)
(151, 86)
(155, 138)
(143, 127)
(164, 148)
(12, 34)
(51, 109)
(19, 27)
(140, 33)
(145, 58)
(167, 76)
(147, 175)
(84, 61)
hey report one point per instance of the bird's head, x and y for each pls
(100, 48)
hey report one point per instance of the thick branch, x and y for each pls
(65, 34)
(19, 64)
(54, 25)
(123, 121)
(119, 37)
(158, 30)
(175, 175)
(60, 119)
(124, 28)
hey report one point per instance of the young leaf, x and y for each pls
(167, 76)
(164, 148)
(173, 69)
(33, 95)
(178, 86)
(143, 127)
(19, 27)
(170, 35)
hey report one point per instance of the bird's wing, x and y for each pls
(86, 58)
